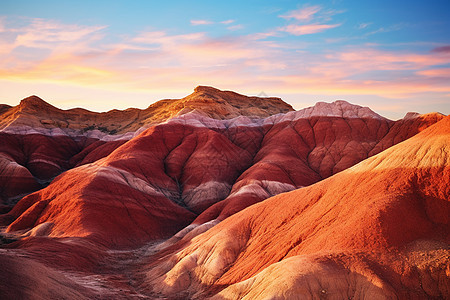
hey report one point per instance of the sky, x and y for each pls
(393, 56)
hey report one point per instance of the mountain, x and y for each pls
(226, 196)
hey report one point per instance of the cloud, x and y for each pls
(307, 29)
(264, 35)
(364, 25)
(224, 50)
(227, 22)
(328, 86)
(41, 33)
(439, 73)
(395, 27)
(133, 62)
(365, 59)
(201, 22)
(266, 65)
(162, 38)
(442, 49)
(308, 20)
(235, 27)
(303, 14)
(2, 24)
(27, 42)
(155, 60)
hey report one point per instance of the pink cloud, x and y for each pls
(321, 85)
(227, 22)
(156, 60)
(367, 59)
(235, 27)
(266, 65)
(201, 22)
(42, 33)
(220, 50)
(207, 22)
(307, 29)
(263, 35)
(162, 38)
(442, 49)
(303, 14)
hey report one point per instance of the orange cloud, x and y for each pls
(368, 59)
(219, 51)
(320, 85)
(442, 73)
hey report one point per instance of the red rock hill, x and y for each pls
(378, 230)
(333, 201)
(194, 167)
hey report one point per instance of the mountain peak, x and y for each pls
(414, 115)
(411, 115)
(339, 108)
(36, 103)
(205, 88)
(220, 104)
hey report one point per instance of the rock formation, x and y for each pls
(194, 167)
(225, 196)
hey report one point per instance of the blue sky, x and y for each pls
(393, 56)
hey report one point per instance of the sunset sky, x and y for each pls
(393, 56)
